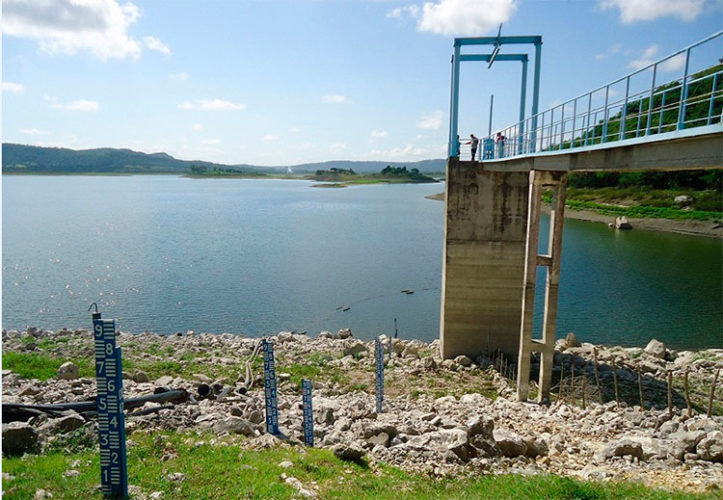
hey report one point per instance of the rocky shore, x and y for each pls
(440, 417)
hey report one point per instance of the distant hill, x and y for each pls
(19, 158)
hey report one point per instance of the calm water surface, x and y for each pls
(254, 257)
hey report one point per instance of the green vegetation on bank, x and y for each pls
(638, 115)
(200, 171)
(222, 468)
(388, 174)
(648, 194)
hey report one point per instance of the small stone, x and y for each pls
(463, 360)
(510, 444)
(344, 333)
(623, 447)
(572, 340)
(480, 426)
(355, 349)
(294, 482)
(18, 437)
(348, 452)
(286, 464)
(165, 380)
(710, 448)
(42, 494)
(176, 476)
(683, 200)
(156, 495)
(326, 335)
(622, 223)
(656, 349)
(71, 473)
(64, 424)
(234, 425)
(255, 417)
(140, 377)
(68, 371)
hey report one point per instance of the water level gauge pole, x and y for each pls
(270, 393)
(111, 424)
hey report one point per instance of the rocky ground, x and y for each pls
(440, 417)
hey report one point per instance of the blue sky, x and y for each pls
(286, 82)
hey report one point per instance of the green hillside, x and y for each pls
(24, 159)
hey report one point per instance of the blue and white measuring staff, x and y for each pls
(272, 404)
(379, 357)
(111, 424)
(308, 422)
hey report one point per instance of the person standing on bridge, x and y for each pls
(500, 145)
(474, 142)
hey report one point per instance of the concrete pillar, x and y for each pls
(546, 345)
(484, 256)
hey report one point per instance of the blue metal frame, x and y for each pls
(596, 122)
(498, 41)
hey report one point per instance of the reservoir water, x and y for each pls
(255, 257)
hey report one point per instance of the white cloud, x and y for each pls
(378, 133)
(650, 55)
(337, 147)
(211, 141)
(197, 127)
(212, 105)
(307, 146)
(33, 131)
(154, 43)
(612, 51)
(294, 130)
(431, 121)
(399, 12)
(70, 26)
(409, 152)
(82, 105)
(335, 99)
(458, 17)
(271, 137)
(12, 87)
(647, 10)
(181, 76)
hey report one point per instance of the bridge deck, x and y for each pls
(688, 149)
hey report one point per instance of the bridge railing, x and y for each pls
(637, 105)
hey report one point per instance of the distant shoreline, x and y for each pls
(709, 229)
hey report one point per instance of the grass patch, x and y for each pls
(644, 203)
(38, 366)
(226, 470)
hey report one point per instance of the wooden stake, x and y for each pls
(572, 380)
(615, 383)
(584, 383)
(597, 375)
(687, 393)
(670, 393)
(562, 377)
(712, 392)
(640, 388)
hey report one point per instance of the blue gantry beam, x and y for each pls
(497, 42)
